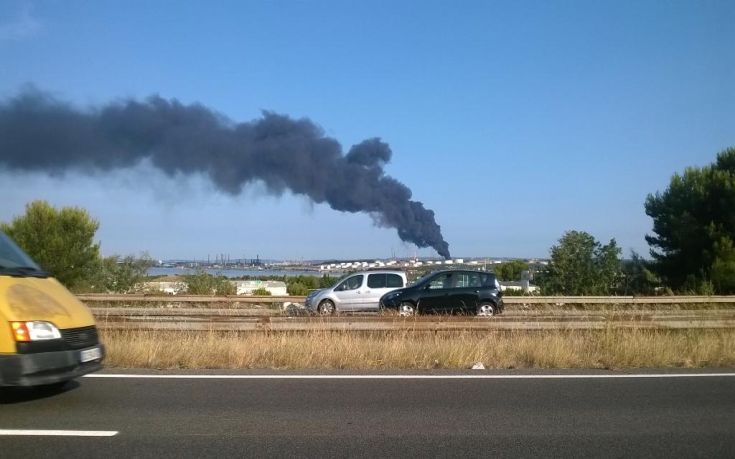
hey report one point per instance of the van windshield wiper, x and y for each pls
(23, 271)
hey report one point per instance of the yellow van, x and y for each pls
(47, 336)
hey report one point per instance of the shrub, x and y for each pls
(202, 283)
(297, 289)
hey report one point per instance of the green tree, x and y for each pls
(261, 291)
(581, 266)
(637, 276)
(60, 240)
(120, 274)
(722, 273)
(510, 270)
(694, 227)
(326, 281)
(297, 289)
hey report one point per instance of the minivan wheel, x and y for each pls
(326, 307)
(486, 310)
(407, 309)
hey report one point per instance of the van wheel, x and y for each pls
(326, 308)
(407, 310)
(486, 310)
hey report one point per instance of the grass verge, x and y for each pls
(611, 348)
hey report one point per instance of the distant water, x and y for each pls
(158, 271)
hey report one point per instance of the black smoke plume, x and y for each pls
(41, 133)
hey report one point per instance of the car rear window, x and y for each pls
(394, 280)
(376, 280)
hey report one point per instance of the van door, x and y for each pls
(378, 284)
(374, 289)
(348, 294)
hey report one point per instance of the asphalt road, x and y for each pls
(600, 417)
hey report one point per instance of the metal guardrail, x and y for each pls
(141, 321)
(619, 299)
(119, 298)
(129, 313)
(239, 313)
(115, 298)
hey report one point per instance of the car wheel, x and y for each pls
(407, 309)
(486, 310)
(326, 307)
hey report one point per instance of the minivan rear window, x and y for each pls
(394, 280)
(488, 280)
(376, 280)
(475, 280)
(465, 280)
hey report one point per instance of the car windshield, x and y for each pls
(12, 258)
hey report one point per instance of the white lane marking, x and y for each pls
(60, 433)
(544, 376)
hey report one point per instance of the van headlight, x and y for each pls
(34, 330)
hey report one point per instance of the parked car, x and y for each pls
(355, 292)
(47, 336)
(445, 292)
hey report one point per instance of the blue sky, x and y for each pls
(513, 121)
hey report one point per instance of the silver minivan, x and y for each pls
(355, 292)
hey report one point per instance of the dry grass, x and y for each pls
(612, 348)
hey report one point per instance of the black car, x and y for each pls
(445, 292)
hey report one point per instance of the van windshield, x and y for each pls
(14, 261)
